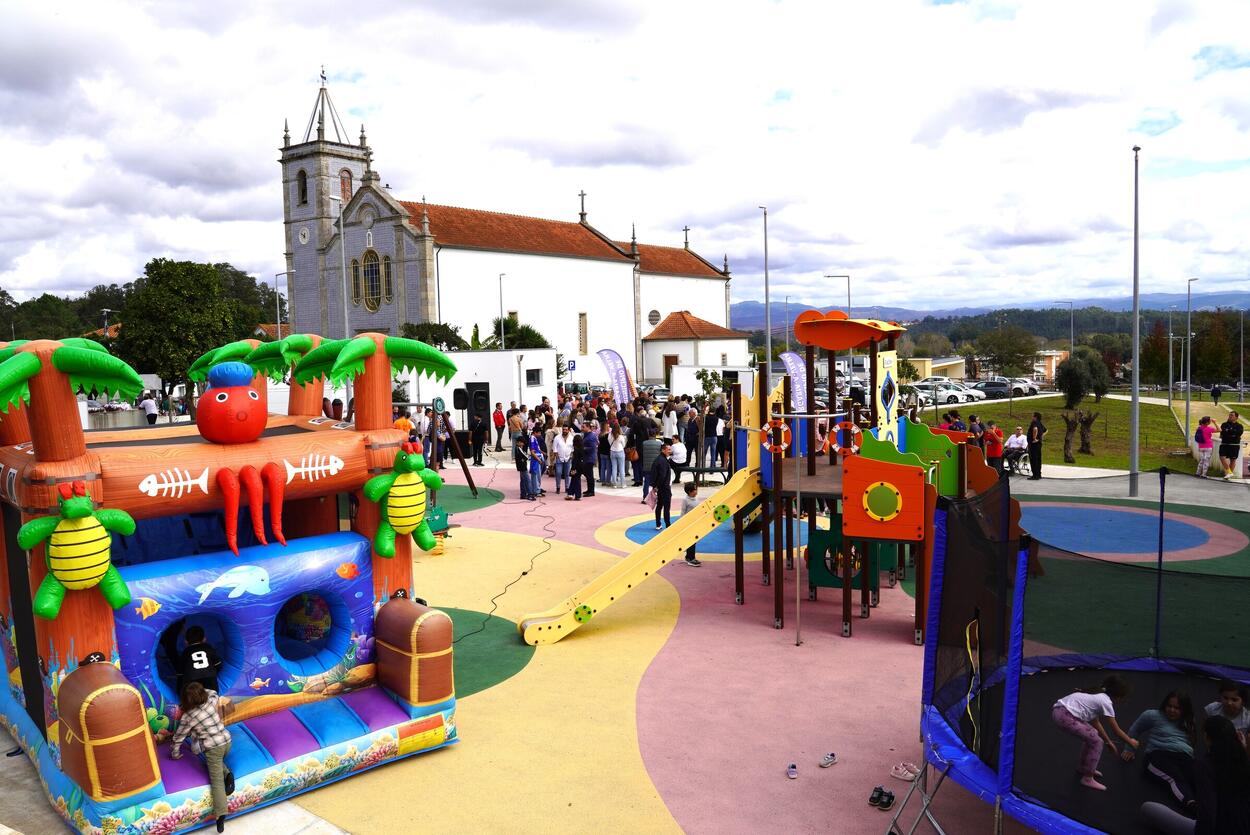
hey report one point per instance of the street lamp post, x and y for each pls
(1241, 355)
(503, 345)
(848, 353)
(768, 317)
(1135, 413)
(787, 324)
(277, 300)
(1189, 353)
(1071, 327)
(347, 385)
(1170, 378)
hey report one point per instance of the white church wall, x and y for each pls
(526, 381)
(654, 351)
(710, 351)
(547, 293)
(703, 297)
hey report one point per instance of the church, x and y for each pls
(408, 261)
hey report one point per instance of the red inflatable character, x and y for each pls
(231, 412)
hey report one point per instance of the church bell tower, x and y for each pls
(323, 166)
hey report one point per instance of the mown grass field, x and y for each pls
(1159, 435)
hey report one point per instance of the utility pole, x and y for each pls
(1135, 413)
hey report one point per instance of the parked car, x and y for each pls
(913, 396)
(941, 381)
(117, 406)
(1029, 386)
(942, 393)
(994, 389)
(976, 395)
(659, 394)
(94, 407)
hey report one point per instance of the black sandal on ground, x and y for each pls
(878, 793)
(887, 801)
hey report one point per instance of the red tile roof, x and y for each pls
(682, 325)
(672, 260)
(477, 229)
(268, 331)
(99, 333)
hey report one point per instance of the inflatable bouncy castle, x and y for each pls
(118, 541)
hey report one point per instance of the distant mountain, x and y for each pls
(749, 316)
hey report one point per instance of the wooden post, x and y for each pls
(848, 579)
(739, 560)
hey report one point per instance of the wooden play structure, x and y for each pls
(332, 664)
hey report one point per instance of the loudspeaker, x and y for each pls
(479, 400)
(459, 399)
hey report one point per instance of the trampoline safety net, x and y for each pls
(975, 618)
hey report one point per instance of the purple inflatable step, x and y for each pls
(376, 709)
(282, 735)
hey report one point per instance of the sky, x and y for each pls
(941, 153)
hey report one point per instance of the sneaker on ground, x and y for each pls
(694, 563)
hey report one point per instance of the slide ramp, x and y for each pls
(557, 622)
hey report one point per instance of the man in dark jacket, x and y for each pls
(662, 483)
(479, 436)
(639, 426)
(590, 456)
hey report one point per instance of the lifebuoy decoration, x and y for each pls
(766, 436)
(846, 439)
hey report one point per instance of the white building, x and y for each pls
(407, 261)
(684, 339)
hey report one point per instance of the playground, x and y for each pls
(556, 666)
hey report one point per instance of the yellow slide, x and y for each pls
(555, 623)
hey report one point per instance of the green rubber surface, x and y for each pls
(484, 659)
(456, 498)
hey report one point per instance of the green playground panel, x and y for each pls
(881, 556)
(930, 446)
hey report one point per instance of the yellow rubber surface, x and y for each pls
(543, 750)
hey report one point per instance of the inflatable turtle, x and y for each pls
(402, 494)
(78, 552)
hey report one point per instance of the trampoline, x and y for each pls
(1016, 624)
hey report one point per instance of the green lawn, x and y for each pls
(1159, 433)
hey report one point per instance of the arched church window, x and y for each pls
(345, 185)
(373, 281)
(388, 285)
(301, 186)
(355, 281)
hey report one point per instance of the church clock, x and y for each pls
(303, 235)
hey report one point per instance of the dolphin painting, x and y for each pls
(251, 579)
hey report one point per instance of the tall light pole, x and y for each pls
(1135, 413)
(768, 317)
(1071, 327)
(106, 311)
(347, 386)
(833, 372)
(277, 300)
(787, 324)
(1189, 353)
(1241, 355)
(1170, 377)
(503, 346)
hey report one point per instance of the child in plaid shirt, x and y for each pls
(202, 722)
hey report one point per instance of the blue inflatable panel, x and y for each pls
(246, 753)
(245, 595)
(330, 722)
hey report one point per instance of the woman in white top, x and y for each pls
(617, 451)
(668, 421)
(677, 460)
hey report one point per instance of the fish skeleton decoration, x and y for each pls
(173, 482)
(313, 467)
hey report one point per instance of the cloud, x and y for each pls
(1220, 58)
(624, 145)
(1169, 13)
(994, 111)
(1156, 122)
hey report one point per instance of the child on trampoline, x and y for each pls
(1232, 706)
(1168, 749)
(1081, 714)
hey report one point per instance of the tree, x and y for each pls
(712, 383)
(46, 317)
(516, 335)
(1213, 352)
(1009, 348)
(1074, 380)
(907, 371)
(90, 306)
(8, 316)
(1154, 355)
(932, 345)
(1099, 374)
(177, 312)
(1071, 423)
(475, 339)
(251, 302)
(435, 334)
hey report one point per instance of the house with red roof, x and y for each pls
(360, 259)
(682, 339)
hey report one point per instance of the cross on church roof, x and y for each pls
(686, 230)
(582, 195)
